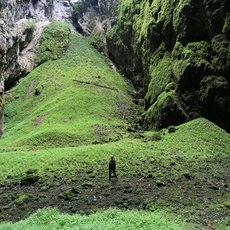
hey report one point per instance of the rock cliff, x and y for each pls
(21, 24)
(177, 53)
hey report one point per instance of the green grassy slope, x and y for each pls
(184, 173)
(67, 102)
(64, 121)
(196, 140)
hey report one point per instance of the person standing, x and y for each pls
(112, 168)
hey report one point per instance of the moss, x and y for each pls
(167, 103)
(177, 51)
(226, 204)
(96, 39)
(31, 171)
(221, 48)
(80, 7)
(214, 95)
(29, 179)
(2, 101)
(191, 65)
(69, 194)
(54, 41)
(88, 184)
(171, 86)
(118, 49)
(161, 76)
(164, 42)
(196, 50)
(210, 84)
(21, 199)
(66, 90)
(180, 18)
(226, 27)
(194, 54)
(148, 34)
(154, 137)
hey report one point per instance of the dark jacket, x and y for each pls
(112, 165)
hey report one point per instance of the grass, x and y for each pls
(54, 41)
(77, 99)
(187, 171)
(111, 219)
(64, 121)
(189, 142)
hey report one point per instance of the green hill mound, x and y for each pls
(77, 99)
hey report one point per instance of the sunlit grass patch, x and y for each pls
(108, 220)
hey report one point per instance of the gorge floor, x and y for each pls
(197, 193)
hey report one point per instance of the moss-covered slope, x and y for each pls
(177, 53)
(74, 100)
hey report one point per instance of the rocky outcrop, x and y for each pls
(22, 22)
(94, 18)
(21, 25)
(177, 53)
(90, 13)
(20, 28)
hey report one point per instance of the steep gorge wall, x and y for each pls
(177, 53)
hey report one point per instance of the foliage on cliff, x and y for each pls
(182, 43)
(54, 42)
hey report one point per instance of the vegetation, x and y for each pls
(179, 172)
(75, 100)
(179, 42)
(111, 219)
(96, 39)
(78, 9)
(64, 121)
(54, 41)
(81, 6)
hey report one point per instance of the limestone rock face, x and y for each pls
(107, 7)
(94, 18)
(21, 24)
(88, 14)
(177, 53)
